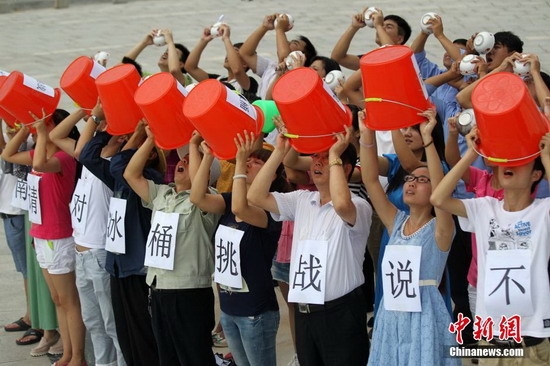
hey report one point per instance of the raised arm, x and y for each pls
(378, 20)
(133, 174)
(60, 134)
(341, 48)
(207, 202)
(137, 137)
(41, 162)
(540, 86)
(352, 89)
(248, 49)
(448, 45)
(91, 126)
(194, 154)
(11, 152)
(233, 59)
(192, 63)
(452, 151)
(369, 171)
(283, 47)
(140, 46)
(450, 75)
(174, 61)
(406, 157)
(444, 224)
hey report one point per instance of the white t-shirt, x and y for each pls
(93, 235)
(7, 186)
(265, 68)
(346, 244)
(525, 230)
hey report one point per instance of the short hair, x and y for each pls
(328, 63)
(59, 116)
(128, 60)
(280, 183)
(184, 54)
(510, 40)
(309, 50)
(461, 41)
(403, 28)
(355, 116)
(349, 156)
(537, 166)
(545, 78)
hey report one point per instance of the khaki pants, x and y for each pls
(532, 356)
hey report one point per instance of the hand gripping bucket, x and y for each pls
(78, 81)
(4, 114)
(219, 113)
(311, 111)
(161, 99)
(509, 122)
(21, 94)
(116, 88)
(393, 88)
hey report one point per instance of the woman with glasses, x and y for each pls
(412, 322)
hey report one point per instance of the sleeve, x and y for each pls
(287, 204)
(253, 88)
(118, 164)
(473, 206)
(430, 89)
(363, 217)
(262, 64)
(475, 176)
(154, 191)
(427, 68)
(394, 165)
(90, 157)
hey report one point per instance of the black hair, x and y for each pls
(238, 45)
(537, 166)
(403, 28)
(354, 116)
(545, 78)
(328, 63)
(184, 54)
(349, 156)
(309, 50)
(280, 184)
(58, 116)
(128, 60)
(461, 41)
(439, 143)
(510, 40)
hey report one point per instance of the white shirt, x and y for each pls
(7, 186)
(265, 68)
(346, 244)
(528, 229)
(93, 235)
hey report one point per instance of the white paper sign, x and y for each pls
(182, 89)
(97, 69)
(20, 195)
(116, 241)
(35, 211)
(308, 269)
(161, 241)
(419, 76)
(38, 86)
(241, 103)
(508, 283)
(401, 276)
(228, 257)
(79, 205)
(333, 95)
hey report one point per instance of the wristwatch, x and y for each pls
(96, 119)
(336, 162)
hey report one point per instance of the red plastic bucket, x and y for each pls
(311, 111)
(509, 122)
(116, 88)
(4, 114)
(78, 81)
(393, 88)
(219, 113)
(161, 98)
(21, 94)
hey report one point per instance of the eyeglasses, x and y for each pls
(420, 178)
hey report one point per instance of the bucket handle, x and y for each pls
(502, 160)
(392, 101)
(35, 122)
(293, 136)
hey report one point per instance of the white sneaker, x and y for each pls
(294, 361)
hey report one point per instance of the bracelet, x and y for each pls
(428, 144)
(239, 176)
(365, 145)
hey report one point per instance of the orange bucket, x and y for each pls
(311, 111)
(161, 98)
(393, 88)
(4, 114)
(78, 81)
(116, 88)
(21, 94)
(509, 122)
(219, 113)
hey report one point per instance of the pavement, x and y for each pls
(43, 42)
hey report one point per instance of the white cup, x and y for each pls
(467, 66)
(368, 14)
(294, 55)
(424, 22)
(215, 30)
(159, 40)
(191, 86)
(290, 21)
(484, 42)
(334, 78)
(466, 121)
(101, 56)
(523, 70)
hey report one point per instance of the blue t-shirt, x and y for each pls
(258, 247)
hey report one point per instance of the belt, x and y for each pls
(510, 343)
(428, 283)
(312, 308)
(7, 216)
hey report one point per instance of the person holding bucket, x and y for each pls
(415, 317)
(52, 180)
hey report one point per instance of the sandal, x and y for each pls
(218, 339)
(36, 335)
(20, 326)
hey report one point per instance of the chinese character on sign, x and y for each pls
(404, 279)
(308, 273)
(33, 197)
(226, 258)
(510, 328)
(21, 190)
(113, 230)
(79, 206)
(160, 241)
(459, 326)
(506, 281)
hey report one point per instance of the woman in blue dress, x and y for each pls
(416, 334)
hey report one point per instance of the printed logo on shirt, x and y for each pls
(514, 236)
(546, 323)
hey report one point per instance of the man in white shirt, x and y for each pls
(330, 228)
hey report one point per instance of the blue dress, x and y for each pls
(416, 338)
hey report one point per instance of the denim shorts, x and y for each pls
(280, 271)
(14, 227)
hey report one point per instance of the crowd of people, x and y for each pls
(130, 242)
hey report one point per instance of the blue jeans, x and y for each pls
(14, 227)
(251, 339)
